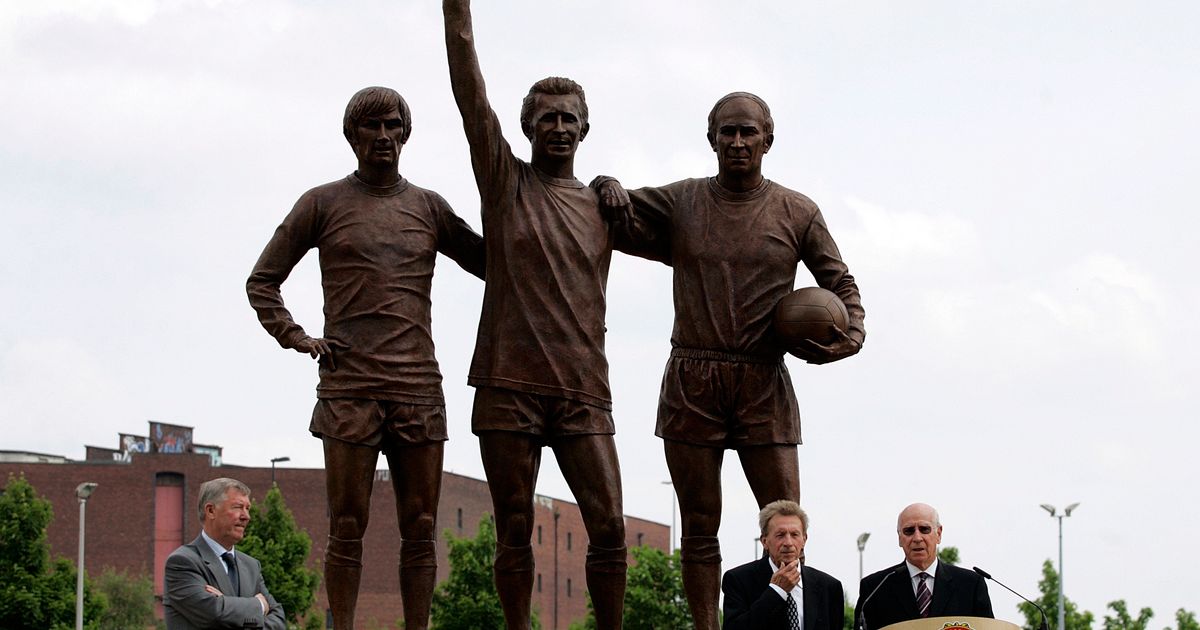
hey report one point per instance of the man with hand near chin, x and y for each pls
(921, 586)
(210, 585)
(778, 591)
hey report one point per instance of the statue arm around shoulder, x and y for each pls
(640, 220)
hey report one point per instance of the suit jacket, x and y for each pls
(751, 604)
(187, 606)
(956, 592)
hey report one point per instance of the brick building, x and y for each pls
(145, 507)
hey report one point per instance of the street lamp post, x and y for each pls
(1062, 611)
(671, 545)
(82, 492)
(862, 544)
(275, 460)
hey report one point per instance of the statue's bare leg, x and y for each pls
(417, 482)
(511, 461)
(696, 475)
(349, 477)
(589, 465)
(773, 472)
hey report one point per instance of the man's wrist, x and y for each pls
(778, 589)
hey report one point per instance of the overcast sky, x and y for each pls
(1007, 182)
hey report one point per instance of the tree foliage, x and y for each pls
(1048, 586)
(654, 596)
(1121, 619)
(1185, 620)
(35, 592)
(948, 555)
(129, 600)
(467, 599)
(282, 548)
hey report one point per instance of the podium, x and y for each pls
(953, 623)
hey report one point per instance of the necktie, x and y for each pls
(793, 616)
(923, 594)
(233, 573)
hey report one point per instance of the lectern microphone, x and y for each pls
(862, 611)
(988, 576)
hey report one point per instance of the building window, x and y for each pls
(539, 534)
(568, 587)
(639, 543)
(568, 541)
(539, 582)
(460, 520)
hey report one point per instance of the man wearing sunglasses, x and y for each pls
(921, 586)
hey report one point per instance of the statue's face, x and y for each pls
(377, 139)
(557, 126)
(740, 142)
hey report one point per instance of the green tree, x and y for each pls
(273, 538)
(1048, 586)
(1123, 621)
(467, 599)
(35, 592)
(129, 598)
(1184, 620)
(654, 595)
(949, 555)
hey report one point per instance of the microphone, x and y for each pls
(988, 576)
(862, 611)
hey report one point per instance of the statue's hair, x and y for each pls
(782, 507)
(373, 101)
(550, 85)
(768, 122)
(214, 490)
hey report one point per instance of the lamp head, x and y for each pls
(862, 540)
(1049, 508)
(1070, 508)
(85, 490)
(276, 460)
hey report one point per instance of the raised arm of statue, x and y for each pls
(491, 155)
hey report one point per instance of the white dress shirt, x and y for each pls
(797, 591)
(913, 571)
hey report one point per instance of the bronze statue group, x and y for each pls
(733, 242)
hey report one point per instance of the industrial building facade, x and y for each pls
(145, 507)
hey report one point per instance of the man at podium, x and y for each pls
(921, 586)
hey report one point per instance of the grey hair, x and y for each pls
(783, 507)
(214, 490)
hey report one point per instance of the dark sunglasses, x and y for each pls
(912, 529)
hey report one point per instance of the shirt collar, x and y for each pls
(913, 570)
(214, 545)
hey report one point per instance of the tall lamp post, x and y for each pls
(1062, 611)
(276, 460)
(82, 492)
(862, 544)
(671, 545)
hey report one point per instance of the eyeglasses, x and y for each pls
(912, 529)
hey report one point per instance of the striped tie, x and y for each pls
(923, 595)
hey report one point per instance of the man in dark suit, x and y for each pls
(778, 591)
(921, 586)
(208, 584)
